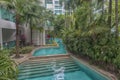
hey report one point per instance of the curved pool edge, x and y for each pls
(47, 47)
(97, 70)
(38, 48)
(49, 56)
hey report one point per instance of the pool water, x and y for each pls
(78, 75)
(43, 70)
(51, 51)
(63, 68)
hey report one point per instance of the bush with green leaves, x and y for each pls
(27, 49)
(90, 35)
(117, 61)
(8, 68)
(23, 50)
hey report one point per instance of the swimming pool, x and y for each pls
(52, 50)
(69, 69)
(60, 68)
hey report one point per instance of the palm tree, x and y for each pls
(34, 19)
(103, 6)
(20, 7)
(110, 13)
(116, 18)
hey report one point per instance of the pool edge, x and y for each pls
(94, 68)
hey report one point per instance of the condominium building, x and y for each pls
(7, 28)
(8, 31)
(54, 5)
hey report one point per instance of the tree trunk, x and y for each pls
(110, 13)
(116, 19)
(90, 8)
(31, 35)
(102, 7)
(65, 15)
(17, 37)
(31, 32)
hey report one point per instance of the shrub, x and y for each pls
(117, 61)
(12, 50)
(8, 69)
(8, 52)
(26, 49)
(22, 50)
(5, 51)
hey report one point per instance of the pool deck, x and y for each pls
(30, 57)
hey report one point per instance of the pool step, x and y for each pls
(39, 68)
(45, 70)
(51, 56)
(44, 60)
(44, 65)
(29, 76)
(27, 63)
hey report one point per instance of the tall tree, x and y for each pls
(116, 18)
(103, 6)
(110, 14)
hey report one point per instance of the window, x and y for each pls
(58, 11)
(56, 2)
(58, 7)
(49, 2)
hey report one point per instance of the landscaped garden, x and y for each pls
(85, 42)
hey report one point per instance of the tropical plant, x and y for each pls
(27, 49)
(8, 68)
(116, 19)
(91, 33)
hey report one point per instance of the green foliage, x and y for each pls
(5, 52)
(59, 23)
(12, 50)
(90, 35)
(25, 50)
(117, 61)
(8, 69)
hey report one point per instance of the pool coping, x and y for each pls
(105, 74)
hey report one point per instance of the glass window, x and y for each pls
(58, 11)
(58, 7)
(56, 2)
(49, 2)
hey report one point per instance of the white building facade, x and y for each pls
(7, 28)
(8, 31)
(55, 6)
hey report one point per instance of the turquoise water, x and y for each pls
(43, 70)
(71, 68)
(51, 51)
(78, 75)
